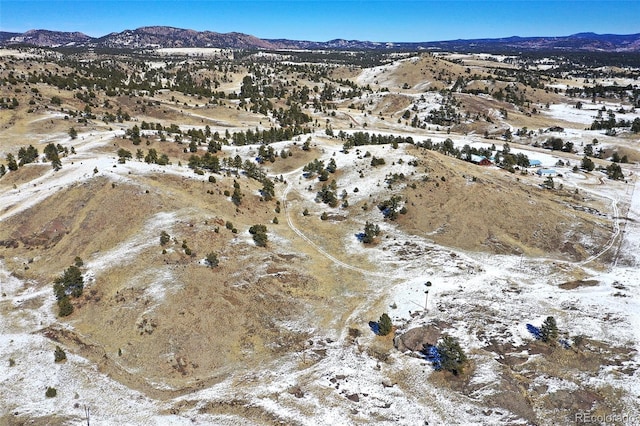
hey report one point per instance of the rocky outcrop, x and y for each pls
(415, 339)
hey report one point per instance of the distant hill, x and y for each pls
(161, 36)
(45, 38)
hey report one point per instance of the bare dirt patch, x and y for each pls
(571, 285)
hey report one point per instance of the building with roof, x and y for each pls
(546, 172)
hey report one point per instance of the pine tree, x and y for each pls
(65, 308)
(370, 232)
(452, 356)
(385, 325)
(237, 195)
(51, 153)
(11, 163)
(549, 330)
(259, 233)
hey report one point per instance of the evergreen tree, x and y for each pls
(73, 133)
(51, 153)
(70, 283)
(370, 232)
(259, 233)
(384, 324)
(65, 307)
(587, 164)
(452, 356)
(614, 171)
(11, 162)
(123, 155)
(236, 197)
(27, 155)
(549, 330)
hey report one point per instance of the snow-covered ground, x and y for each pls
(511, 290)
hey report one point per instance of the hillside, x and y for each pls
(167, 164)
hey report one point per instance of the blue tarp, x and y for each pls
(535, 331)
(375, 327)
(432, 355)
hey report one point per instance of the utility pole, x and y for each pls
(426, 300)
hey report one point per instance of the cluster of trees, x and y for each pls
(610, 123)
(629, 92)
(371, 231)
(25, 156)
(364, 138)
(557, 144)
(259, 233)
(274, 134)
(327, 194)
(9, 103)
(152, 157)
(69, 284)
(51, 154)
(613, 170)
(207, 162)
(318, 167)
(390, 207)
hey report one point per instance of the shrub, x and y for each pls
(212, 260)
(59, 355)
(51, 392)
(164, 238)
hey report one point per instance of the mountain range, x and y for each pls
(168, 37)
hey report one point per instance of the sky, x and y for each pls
(378, 20)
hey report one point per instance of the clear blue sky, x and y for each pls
(382, 20)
